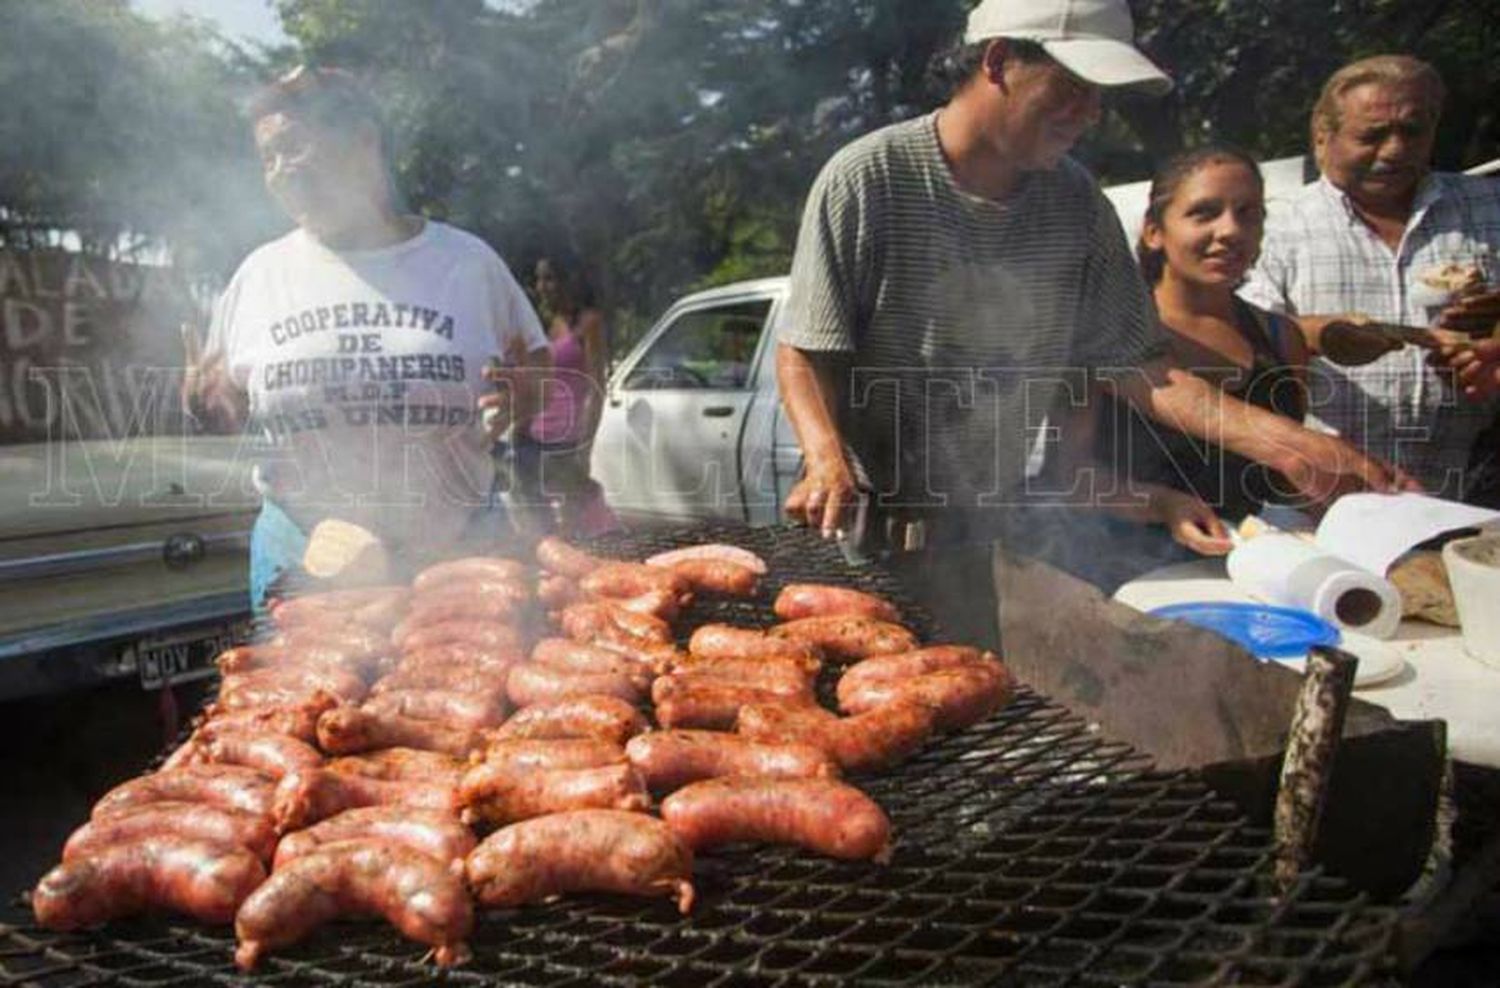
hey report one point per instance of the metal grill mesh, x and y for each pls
(1029, 851)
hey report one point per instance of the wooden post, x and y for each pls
(1317, 724)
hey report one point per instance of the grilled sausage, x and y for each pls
(232, 787)
(717, 576)
(196, 821)
(615, 579)
(342, 684)
(299, 721)
(413, 891)
(363, 642)
(254, 696)
(304, 798)
(804, 600)
(557, 556)
(270, 754)
(870, 740)
(460, 607)
(822, 815)
(402, 765)
(469, 570)
(351, 730)
(669, 760)
(773, 676)
(453, 707)
(571, 656)
(599, 622)
(486, 634)
(558, 753)
(531, 683)
(712, 552)
(849, 638)
(582, 851)
(725, 641)
(481, 680)
(556, 592)
(663, 604)
(497, 794)
(605, 718)
(247, 658)
(904, 665)
(708, 704)
(958, 697)
(203, 879)
(460, 653)
(435, 834)
(377, 608)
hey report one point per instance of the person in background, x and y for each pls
(357, 344)
(553, 485)
(1382, 235)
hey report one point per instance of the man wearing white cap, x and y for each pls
(957, 274)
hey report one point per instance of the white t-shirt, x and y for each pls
(363, 370)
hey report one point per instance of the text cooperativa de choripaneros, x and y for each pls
(375, 367)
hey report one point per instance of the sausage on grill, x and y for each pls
(484, 679)
(351, 730)
(725, 641)
(402, 764)
(247, 658)
(571, 656)
(822, 815)
(747, 672)
(468, 570)
(498, 794)
(248, 696)
(366, 643)
(531, 683)
(457, 708)
(304, 798)
(600, 622)
(377, 608)
(958, 697)
(669, 760)
(330, 679)
(557, 556)
(804, 600)
(717, 576)
(905, 665)
(582, 851)
(435, 834)
(614, 579)
(233, 787)
(708, 704)
(414, 892)
(605, 718)
(870, 740)
(485, 634)
(460, 653)
(268, 753)
(299, 721)
(558, 753)
(713, 552)
(198, 821)
(203, 879)
(460, 605)
(556, 592)
(849, 638)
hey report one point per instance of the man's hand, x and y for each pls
(1477, 366)
(1190, 521)
(1475, 315)
(826, 491)
(1323, 468)
(210, 395)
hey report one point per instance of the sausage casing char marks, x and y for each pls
(669, 760)
(804, 600)
(304, 798)
(602, 622)
(849, 638)
(497, 794)
(783, 674)
(905, 665)
(618, 579)
(570, 656)
(717, 576)
(271, 754)
(531, 683)
(416, 893)
(710, 704)
(205, 880)
(605, 718)
(582, 851)
(433, 833)
(821, 815)
(402, 764)
(458, 708)
(233, 787)
(299, 721)
(196, 821)
(726, 641)
(866, 741)
(557, 753)
(958, 697)
(353, 730)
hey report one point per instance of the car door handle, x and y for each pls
(718, 411)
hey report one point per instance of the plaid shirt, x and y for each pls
(1319, 258)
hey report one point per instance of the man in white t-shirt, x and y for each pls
(358, 344)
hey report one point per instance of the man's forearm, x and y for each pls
(808, 391)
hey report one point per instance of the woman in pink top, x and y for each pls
(553, 486)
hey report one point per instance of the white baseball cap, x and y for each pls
(1093, 39)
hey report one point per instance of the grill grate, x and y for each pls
(1029, 851)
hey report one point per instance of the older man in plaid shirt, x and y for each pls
(1380, 235)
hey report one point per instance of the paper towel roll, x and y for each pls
(1292, 572)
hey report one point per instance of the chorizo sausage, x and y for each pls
(669, 760)
(351, 730)
(414, 892)
(486, 634)
(479, 679)
(270, 754)
(249, 658)
(460, 653)
(233, 787)
(362, 642)
(336, 682)
(557, 556)
(530, 683)
(203, 879)
(460, 607)
(804, 600)
(605, 718)
(377, 608)
(717, 576)
(435, 834)
(773, 676)
(557, 753)
(822, 815)
(725, 641)
(582, 851)
(713, 552)
(248, 696)
(298, 721)
(469, 570)
(905, 665)
(454, 707)
(614, 579)
(869, 740)
(198, 821)
(599, 622)
(497, 794)
(556, 592)
(304, 798)
(958, 697)
(571, 656)
(849, 638)
(402, 764)
(709, 704)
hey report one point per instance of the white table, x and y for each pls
(1440, 681)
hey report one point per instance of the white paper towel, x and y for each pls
(1292, 572)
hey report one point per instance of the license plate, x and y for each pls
(181, 657)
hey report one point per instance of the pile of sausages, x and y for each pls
(352, 763)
